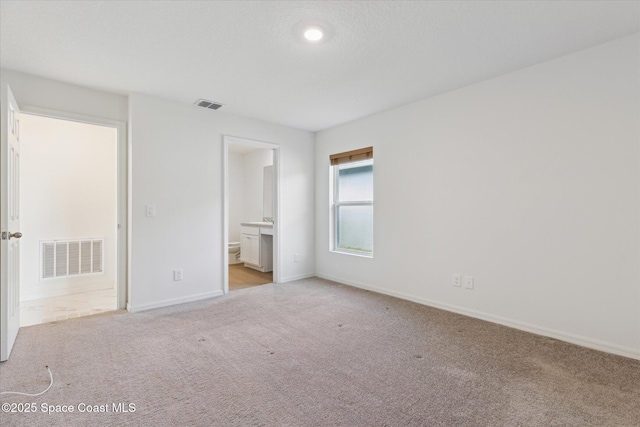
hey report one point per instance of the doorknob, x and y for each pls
(7, 235)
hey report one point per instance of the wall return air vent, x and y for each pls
(207, 104)
(62, 258)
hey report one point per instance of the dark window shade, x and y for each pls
(351, 156)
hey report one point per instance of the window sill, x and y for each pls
(352, 253)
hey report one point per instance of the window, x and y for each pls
(352, 202)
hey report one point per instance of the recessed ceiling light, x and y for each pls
(313, 34)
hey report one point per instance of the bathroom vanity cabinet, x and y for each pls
(256, 245)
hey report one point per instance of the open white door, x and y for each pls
(9, 222)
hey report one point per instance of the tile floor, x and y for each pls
(67, 307)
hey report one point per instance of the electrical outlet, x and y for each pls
(468, 282)
(177, 274)
(296, 257)
(457, 280)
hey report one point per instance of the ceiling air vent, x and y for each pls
(208, 104)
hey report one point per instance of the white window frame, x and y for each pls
(335, 204)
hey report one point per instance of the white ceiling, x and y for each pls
(250, 55)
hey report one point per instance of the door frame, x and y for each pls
(122, 256)
(226, 141)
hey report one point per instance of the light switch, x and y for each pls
(457, 280)
(151, 210)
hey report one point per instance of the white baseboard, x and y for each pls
(52, 293)
(174, 301)
(298, 277)
(523, 326)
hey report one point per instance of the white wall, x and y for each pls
(254, 163)
(529, 182)
(176, 144)
(54, 95)
(68, 173)
(246, 188)
(236, 194)
(177, 166)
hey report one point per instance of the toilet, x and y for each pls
(234, 253)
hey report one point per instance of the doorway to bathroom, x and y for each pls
(250, 213)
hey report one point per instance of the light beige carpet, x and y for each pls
(313, 353)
